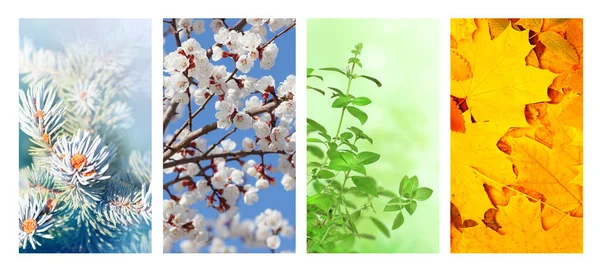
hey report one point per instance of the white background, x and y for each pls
(11, 11)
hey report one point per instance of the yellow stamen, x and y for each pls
(29, 226)
(46, 138)
(78, 160)
(40, 114)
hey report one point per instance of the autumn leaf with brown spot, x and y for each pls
(516, 116)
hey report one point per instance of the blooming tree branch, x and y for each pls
(201, 158)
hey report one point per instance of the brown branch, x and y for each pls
(206, 156)
(277, 36)
(189, 106)
(186, 123)
(175, 33)
(173, 106)
(218, 142)
(210, 127)
(178, 179)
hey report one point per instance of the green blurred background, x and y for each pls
(403, 118)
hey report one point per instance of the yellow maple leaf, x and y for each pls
(533, 24)
(462, 28)
(476, 151)
(502, 84)
(517, 147)
(520, 232)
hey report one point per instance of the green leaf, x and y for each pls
(340, 102)
(360, 134)
(353, 147)
(398, 221)
(339, 164)
(356, 192)
(345, 136)
(316, 125)
(372, 79)
(359, 114)
(321, 201)
(313, 164)
(316, 89)
(408, 186)
(386, 192)
(423, 193)
(333, 69)
(359, 169)
(317, 186)
(411, 207)
(317, 152)
(317, 76)
(365, 184)
(324, 174)
(314, 140)
(350, 204)
(338, 237)
(337, 91)
(393, 205)
(380, 226)
(367, 157)
(366, 236)
(325, 136)
(332, 153)
(415, 185)
(348, 157)
(361, 101)
(309, 71)
(351, 224)
(355, 216)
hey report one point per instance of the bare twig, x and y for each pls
(186, 123)
(218, 142)
(189, 110)
(277, 36)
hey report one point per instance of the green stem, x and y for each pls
(343, 110)
(347, 93)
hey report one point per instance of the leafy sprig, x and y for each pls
(344, 192)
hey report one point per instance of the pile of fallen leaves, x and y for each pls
(516, 135)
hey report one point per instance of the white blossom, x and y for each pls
(288, 182)
(248, 144)
(244, 64)
(228, 145)
(236, 176)
(216, 25)
(261, 129)
(262, 183)
(264, 82)
(231, 194)
(176, 62)
(243, 121)
(198, 26)
(273, 242)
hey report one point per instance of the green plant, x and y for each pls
(334, 210)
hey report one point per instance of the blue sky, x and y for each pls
(274, 197)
